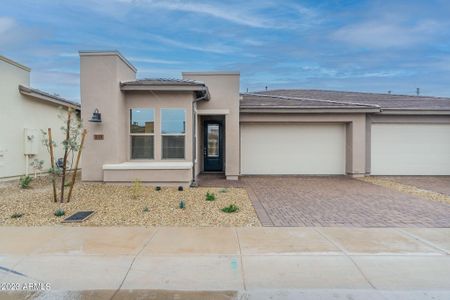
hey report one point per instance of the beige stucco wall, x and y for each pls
(19, 112)
(100, 77)
(224, 90)
(355, 132)
(100, 88)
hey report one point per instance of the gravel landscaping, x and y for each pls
(408, 189)
(117, 204)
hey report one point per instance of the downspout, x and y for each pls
(205, 96)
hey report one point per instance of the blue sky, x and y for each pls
(372, 46)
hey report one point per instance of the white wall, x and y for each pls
(18, 112)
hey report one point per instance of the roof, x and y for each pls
(14, 63)
(386, 102)
(38, 94)
(163, 84)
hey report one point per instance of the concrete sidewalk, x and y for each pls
(229, 263)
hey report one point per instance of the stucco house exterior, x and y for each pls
(167, 131)
(24, 113)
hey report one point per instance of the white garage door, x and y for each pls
(410, 149)
(292, 149)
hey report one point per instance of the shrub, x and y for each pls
(230, 208)
(146, 209)
(25, 181)
(16, 215)
(67, 183)
(210, 196)
(158, 188)
(180, 188)
(136, 189)
(224, 190)
(182, 205)
(59, 212)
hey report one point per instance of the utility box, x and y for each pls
(31, 141)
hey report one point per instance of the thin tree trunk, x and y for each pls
(52, 161)
(74, 175)
(66, 150)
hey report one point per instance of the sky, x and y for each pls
(370, 46)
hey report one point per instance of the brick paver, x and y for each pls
(336, 201)
(439, 184)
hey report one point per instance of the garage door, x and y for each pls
(410, 149)
(292, 149)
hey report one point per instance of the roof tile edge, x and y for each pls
(212, 73)
(108, 52)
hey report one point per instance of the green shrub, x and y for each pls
(16, 215)
(146, 209)
(182, 205)
(59, 212)
(210, 196)
(230, 208)
(158, 188)
(25, 181)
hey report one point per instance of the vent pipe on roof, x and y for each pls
(266, 87)
(389, 92)
(418, 91)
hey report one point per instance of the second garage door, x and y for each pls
(410, 149)
(292, 149)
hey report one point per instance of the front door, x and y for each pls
(213, 146)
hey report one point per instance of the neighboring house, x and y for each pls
(167, 131)
(24, 113)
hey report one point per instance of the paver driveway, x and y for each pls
(337, 201)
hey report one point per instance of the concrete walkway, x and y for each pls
(228, 263)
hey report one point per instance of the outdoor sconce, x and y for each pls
(96, 117)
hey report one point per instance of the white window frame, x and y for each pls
(141, 134)
(172, 134)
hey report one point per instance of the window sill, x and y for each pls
(179, 165)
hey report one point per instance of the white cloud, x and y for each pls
(154, 60)
(386, 34)
(6, 24)
(234, 14)
(211, 48)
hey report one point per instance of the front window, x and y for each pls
(173, 130)
(142, 130)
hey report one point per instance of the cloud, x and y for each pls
(212, 48)
(236, 15)
(6, 24)
(154, 60)
(385, 34)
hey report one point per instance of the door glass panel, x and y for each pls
(213, 140)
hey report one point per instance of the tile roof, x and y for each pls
(384, 101)
(48, 97)
(275, 101)
(163, 81)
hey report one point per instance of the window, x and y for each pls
(173, 129)
(142, 130)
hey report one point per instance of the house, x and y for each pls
(167, 131)
(24, 113)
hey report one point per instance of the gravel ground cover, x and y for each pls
(409, 189)
(118, 204)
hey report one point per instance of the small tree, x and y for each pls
(72, 144)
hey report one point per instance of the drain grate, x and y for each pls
(79, 216)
